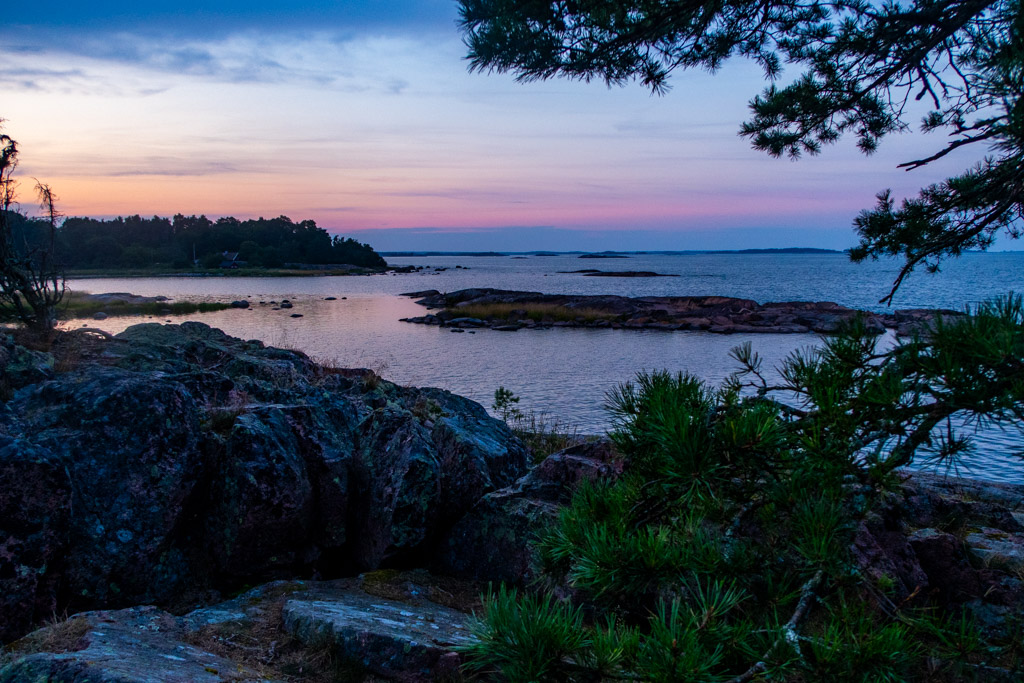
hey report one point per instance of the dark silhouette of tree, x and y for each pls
(31, 283)
(863, 64)
(133, 241)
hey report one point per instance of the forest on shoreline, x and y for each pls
(187, 242)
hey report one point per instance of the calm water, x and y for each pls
(565, 373)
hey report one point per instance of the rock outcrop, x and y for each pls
(286, 630)
(951, 543)
(934, 541)
(171, 461)
(496, 540)
(718, 314)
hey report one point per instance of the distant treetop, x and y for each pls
(184, 241)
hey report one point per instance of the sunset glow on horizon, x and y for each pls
(365, 119)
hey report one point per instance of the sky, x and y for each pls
(364, 117)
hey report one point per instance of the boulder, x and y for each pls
(20, 366)
(285, 630)
(941, 556)
(35, 506)
(172, 461)
(129, 447)
(496, 540)
(467, 322)
(997, 549)
(137, 645)
(952, 543)
(883, 554)
(402, 642)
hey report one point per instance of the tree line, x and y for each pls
(189, 241)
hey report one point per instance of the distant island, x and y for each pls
(417, 254)
(591, 272)
(612, 254)
(197, 242)
(785, 250)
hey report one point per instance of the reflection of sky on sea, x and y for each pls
(564, 373)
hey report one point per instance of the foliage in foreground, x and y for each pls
(31, 281)
(722, 554)
(866, 68)
(540, 433)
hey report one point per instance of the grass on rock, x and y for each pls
(538, 312)
(80, 305)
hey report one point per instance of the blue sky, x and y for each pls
(363, 117)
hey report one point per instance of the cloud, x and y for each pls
(41, 78)
(397, 86)
(647, 128)
(32, 79)
(97, 166)
(178, 168)
(319, 59)
(45, 71)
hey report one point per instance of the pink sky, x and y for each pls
(386, 130)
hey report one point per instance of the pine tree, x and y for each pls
(862, 64)
(723, 552)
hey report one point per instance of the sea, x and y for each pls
(562, 375)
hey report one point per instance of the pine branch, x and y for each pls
(790, 632)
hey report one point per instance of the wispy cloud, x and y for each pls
(175, 168)
(33, 78)
(318, 59)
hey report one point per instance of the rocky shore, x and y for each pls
(511, 310)
(149, 480)
(172, 462)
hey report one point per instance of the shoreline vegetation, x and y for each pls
(79, 305)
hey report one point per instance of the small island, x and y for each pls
(628, 273)
(100, 306)
(593, 272)
(509, 311)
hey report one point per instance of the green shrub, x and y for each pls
(722, 553)
(541, 434)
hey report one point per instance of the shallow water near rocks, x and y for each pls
(566, 373)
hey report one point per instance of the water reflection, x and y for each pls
(563, 372)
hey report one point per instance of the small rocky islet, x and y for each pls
(204, 508)
(507, 310)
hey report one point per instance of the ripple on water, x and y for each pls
(566, 373)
